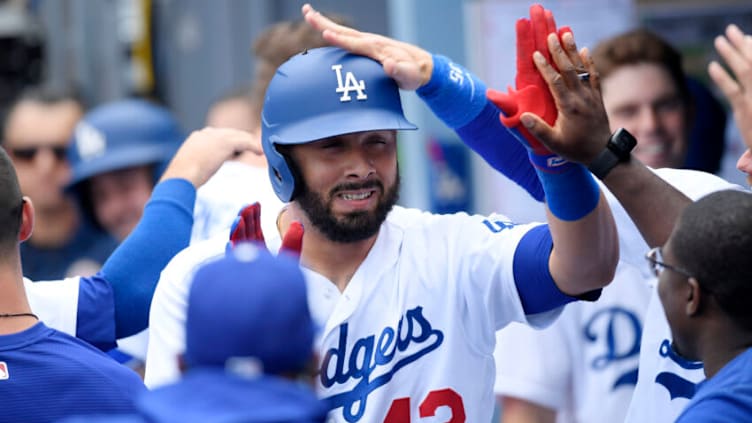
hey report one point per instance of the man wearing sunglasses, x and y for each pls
(36, 135)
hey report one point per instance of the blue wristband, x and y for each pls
(571, 192)
(458, 98)
(452, 85)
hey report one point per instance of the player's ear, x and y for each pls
(27, 220)
(694, 297)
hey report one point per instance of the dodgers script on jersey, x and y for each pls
(411, 336)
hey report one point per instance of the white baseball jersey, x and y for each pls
(220, 199)
(412, 335)
(591, 351)
(55, 302)
(591, 376)
(666, 381)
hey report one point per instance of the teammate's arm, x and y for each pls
(133, 269)
(581, 133)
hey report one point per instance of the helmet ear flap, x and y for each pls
(282, 170)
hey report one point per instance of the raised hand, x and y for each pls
(247, 228)
(581, 129)
(410, 66)
(204, 151)
(531, 93)
(736, 50)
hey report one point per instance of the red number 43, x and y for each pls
(399, 412)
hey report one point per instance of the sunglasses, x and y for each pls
(655, 258)
(28, 154)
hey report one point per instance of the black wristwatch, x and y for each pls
(618, 150)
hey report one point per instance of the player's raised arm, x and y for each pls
(585, 246)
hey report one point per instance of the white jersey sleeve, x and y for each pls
(55, 302)
(168, 309)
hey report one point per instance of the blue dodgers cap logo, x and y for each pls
(91, 142)
(351, 84)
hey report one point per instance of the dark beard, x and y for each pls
(353, 227)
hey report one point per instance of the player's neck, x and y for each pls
(337, 261)
(722, 344)
(13, 299)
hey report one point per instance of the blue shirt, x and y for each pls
(47, 375)
(726, 397)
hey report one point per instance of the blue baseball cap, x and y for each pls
(248, 313)
(211, 395)
(122, 134)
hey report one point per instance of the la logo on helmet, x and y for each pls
(351, 84)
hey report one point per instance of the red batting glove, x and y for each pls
(532, 93)
(247, 228)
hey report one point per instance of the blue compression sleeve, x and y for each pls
(95, 320)
(133, 268)
(458, 98)
(532, 276)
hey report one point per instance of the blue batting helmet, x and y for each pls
(322, 93)
(122, 134)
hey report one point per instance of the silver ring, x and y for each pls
(584, 76)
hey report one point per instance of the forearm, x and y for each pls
(458, 98)
(133, 269)
(652, 203)
(589, 250)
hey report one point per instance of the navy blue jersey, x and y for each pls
(46, 375)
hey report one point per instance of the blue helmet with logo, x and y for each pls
(122, 134)
(322, 93)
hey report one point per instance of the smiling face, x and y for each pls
(643, 99)
(349, 183)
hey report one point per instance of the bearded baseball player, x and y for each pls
(404, 296)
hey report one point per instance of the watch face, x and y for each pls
(624, 141)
